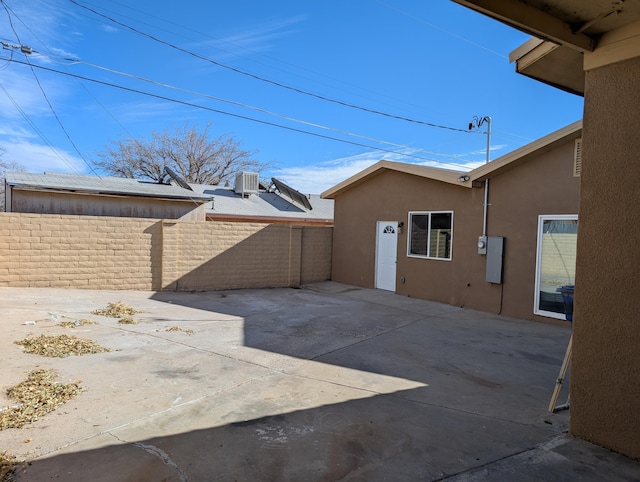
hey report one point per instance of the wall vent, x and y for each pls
(246, 183)
(577, 158)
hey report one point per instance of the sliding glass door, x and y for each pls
(555, 262)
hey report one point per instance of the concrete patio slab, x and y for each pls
(326, 383)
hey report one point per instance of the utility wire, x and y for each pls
(391, 7)
(254, 53)
(251, 107)
(210, 109)
(263, 79)
(50, 58)
(35, 128)
(44, 94)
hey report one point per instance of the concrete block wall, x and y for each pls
(225, 255)
(100, 252)
(317, 244)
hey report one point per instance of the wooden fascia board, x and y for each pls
(382, 166)
(352, 181)
(531, 20)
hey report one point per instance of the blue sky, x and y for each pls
(433, 62)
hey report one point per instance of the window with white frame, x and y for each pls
(430, 234)
(555, 263)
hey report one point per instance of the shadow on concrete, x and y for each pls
(356, 385)
(377, 438)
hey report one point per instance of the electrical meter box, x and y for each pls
(495, 258)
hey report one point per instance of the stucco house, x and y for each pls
(592, 48)
(81, 194)
(418, 231)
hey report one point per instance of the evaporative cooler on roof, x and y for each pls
(246, 183)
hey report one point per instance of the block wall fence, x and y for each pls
(100, 252)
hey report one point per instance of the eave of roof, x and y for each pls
(503, 163)
(434, 173)
(100, 186)
(535, 148)
(87, 192)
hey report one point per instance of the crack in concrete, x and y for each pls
(468, 474)
(162, 455)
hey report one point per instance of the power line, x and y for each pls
(50, 57)
(263, 79)
(35, 128)
(218, 111)
(258, 109)
(459, 37)
(27, 51)
(315, 73)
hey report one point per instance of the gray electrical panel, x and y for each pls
(495, 257)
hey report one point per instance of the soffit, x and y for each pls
(570, 28)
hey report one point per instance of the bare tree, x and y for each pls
(190, 152)
(4, 167)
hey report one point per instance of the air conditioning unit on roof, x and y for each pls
(246, 183)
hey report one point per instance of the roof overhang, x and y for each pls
(385, 166)
(553, 64)
(572, 36)
(87, 192)
(462, 179)
(535, 148)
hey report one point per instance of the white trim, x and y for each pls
(418, 256)
(536, 290)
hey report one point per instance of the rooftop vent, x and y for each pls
(246, 183)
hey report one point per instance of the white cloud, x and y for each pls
(255, 40)
(315, 179)
(39, 158)
(108, 28)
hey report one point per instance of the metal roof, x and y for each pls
(264, 204)
(82, 183)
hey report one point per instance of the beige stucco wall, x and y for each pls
(605, 370)
(29, 201)
(542, 185)
(102, 252)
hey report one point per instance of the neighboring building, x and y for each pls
(250, 201)
(415, 230)
(60, 193)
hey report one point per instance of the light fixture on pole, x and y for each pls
(476, 123)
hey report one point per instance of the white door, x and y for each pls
(386, 253)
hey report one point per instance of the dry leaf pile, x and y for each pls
(188, 331)
(116, 310)
(127, 320)
(36, 396)
(76, 323)
(60, 346)
(7, 468)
